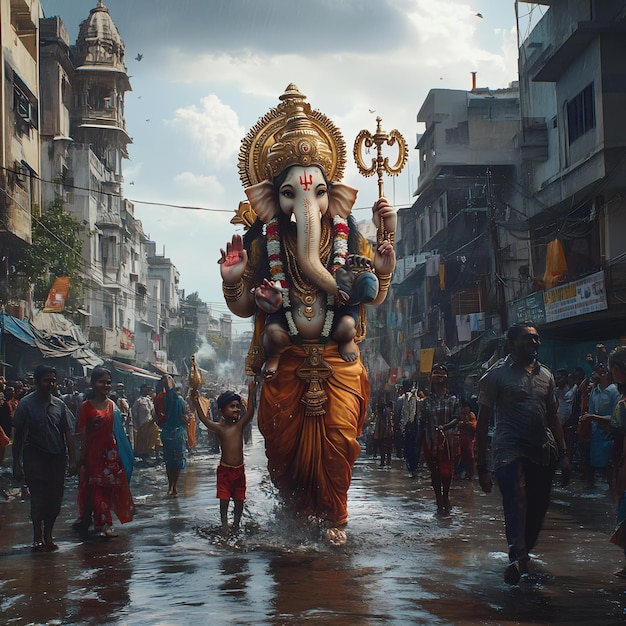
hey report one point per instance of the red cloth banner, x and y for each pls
(127, 342)
(55, 302)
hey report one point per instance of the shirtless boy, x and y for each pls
(231, 477)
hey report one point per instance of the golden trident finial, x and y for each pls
(380, 164)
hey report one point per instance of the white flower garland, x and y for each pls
(277, 271)
(340, 241)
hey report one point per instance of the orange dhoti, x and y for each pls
(310, 458)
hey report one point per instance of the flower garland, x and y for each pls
(277, 271)
(340, 242)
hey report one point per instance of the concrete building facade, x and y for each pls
(450, 243)
(130, 293)
(573, 100)
(20, 158)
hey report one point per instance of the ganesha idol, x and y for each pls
(304, 272)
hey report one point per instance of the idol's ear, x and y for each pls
(263, 200)
(341, 199)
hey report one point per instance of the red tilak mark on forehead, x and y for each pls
(306, 183)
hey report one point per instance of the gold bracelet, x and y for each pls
(232, 293)
(384, 280)
(383, 235)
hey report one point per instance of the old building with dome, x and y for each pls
(130, 293)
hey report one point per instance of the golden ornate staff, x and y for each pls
(380, 164)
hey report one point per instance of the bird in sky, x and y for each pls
(140, 56)
(480, 15)
(372, 110)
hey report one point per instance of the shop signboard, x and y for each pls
(576, 298)
(528, 309)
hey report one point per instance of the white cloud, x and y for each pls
(132, 170)
(214, 126)
(202, 190)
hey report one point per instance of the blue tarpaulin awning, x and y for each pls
(53, 335)
(20, 329)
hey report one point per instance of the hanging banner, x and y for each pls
(427, 356)
(55, 302)
(127, 341)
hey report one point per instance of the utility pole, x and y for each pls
(497, 260)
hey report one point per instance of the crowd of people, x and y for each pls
(96, 432)
(524, 426)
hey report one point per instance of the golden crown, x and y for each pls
(291, 134)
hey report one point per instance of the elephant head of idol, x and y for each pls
(297, 157)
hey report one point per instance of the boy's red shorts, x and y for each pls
(231, 482)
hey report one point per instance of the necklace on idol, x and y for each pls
(277, 273)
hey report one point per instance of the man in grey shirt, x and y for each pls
(42, 441)
(527, 443)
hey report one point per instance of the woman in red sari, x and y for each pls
(104, 479)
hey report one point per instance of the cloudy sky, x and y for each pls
(211, 68)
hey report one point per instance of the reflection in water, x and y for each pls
(402, 565)
(319, 588)
(43, 586)
(189, 481)
(235, 577)
(103, 586)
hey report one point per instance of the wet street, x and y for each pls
(402, 564)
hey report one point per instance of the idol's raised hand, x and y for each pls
(385, 213)
(385, 219)
(233, 261)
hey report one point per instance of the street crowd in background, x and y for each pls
(92, 429)
(432, 429)
(526, 424)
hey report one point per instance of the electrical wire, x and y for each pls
(111, 194)
(98, 293)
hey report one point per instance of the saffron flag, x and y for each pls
(55, 302)
(556, 265)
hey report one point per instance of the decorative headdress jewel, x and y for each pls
(291, 134)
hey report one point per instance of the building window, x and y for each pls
(25, 111)
(459, 134)
(107, 309)
(20, 175)
(581, 114)
(428, 154)
(424, 231)
(442, 211)
(109, 251)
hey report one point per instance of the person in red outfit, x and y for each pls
(467, 438)
(104, 450)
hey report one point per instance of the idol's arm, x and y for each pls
(233, 262)
(385, 219)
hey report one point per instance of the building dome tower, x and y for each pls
(114, 282)
(99, 42)
(101, 81)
